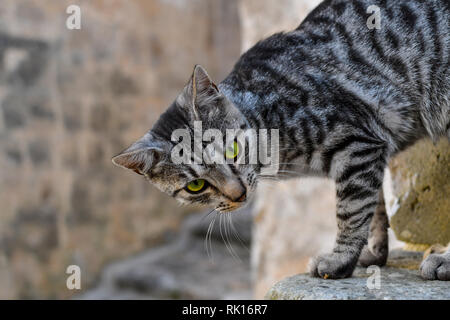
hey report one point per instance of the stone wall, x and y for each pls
(418, 201)
(69, 101)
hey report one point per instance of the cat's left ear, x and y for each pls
(201, 89)
(141, 156)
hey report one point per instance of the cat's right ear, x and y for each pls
(199, 92)
(140, 157)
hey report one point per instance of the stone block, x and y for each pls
(419, 201)
(400, 280)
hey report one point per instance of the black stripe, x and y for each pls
(360, 10)
(175, 117)
(296, 154)
(370, 178)
(192, 172)
(361, 221)
(315, 38)
(392, 39)
(345, 243)
(349, 243)
(344, 216)
(353, 169)
(407, 16)
(340, 28)
(339, 7)
(359, 109)
(367, 151)
(317, 124)
(330, 121)
(282, 137)
(432, 20)
(309, 149)
(349, 190)
(291, 106)
(174, 194)
(438, 52)
(363, 194)
(304, 98)
(398, 66)
(327, 155)
(320, 20)
(366, 67)
(368, 205)
(376, 44)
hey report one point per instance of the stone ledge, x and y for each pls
(399, 280)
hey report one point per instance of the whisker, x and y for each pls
(207, 215)
(289, 171)
(293, 173)
(230, 250)
(279, 177)
(236, 233)
(228, 234)
(288, 164)
(208, 238)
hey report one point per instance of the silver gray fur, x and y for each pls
(345, 99)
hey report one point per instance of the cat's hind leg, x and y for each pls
(377, 250)
(436, 266)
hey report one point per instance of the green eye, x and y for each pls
(196, 186)
(232, 151)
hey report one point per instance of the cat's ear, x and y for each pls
(201, 83)
(201, 89)
(141, 156)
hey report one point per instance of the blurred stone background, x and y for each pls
(71, 99)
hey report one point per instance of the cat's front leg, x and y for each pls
(357, 187)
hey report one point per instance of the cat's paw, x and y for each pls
(333, 266)
(436, 267)
(374, 255)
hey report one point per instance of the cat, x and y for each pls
(345, 98)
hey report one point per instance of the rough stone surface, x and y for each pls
(182, 269)
(419, 204)
(400, 280)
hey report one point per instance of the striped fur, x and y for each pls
(345, 98)
(348, 98)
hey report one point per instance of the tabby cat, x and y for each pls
(345, 98)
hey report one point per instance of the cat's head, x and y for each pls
(225, 186)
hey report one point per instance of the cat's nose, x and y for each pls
(234, 190)
(242, 197)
